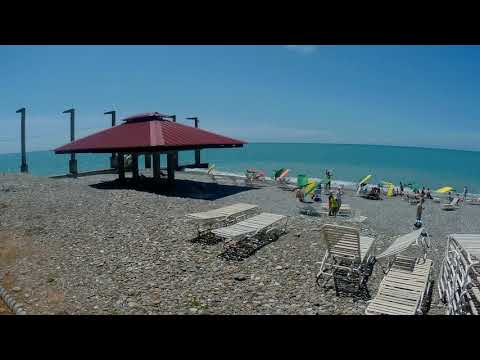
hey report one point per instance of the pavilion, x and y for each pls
(149, 133)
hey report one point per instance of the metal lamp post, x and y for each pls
(113, 158)
(73, 162)
(23, 166)
(173, 155)
(197, 152)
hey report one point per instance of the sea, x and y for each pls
(432, 168)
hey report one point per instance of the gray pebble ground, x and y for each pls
(71, 248)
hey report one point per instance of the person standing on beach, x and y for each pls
(465, 191)
(419, 210)
(401, 189)
(338, 196)
(333, 206)
(328, 183)
(300, 195)
(330, 204)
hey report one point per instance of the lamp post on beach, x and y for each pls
(173, 155)
(113, 158)
(197, 152)
(73, 162)
(23, 166)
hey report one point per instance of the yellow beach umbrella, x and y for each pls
(311, 185)
(444, 189)
(365, 179)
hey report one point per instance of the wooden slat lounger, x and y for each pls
(346, 250)
(263, 223)
(407, 281)
(207, 220)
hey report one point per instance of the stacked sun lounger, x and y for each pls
(264, 224)
(460, 275)
(208, 220)
(407, 282)
(236, 222)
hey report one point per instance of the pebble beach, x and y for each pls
(89, 246)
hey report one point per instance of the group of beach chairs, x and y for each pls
(413, 199)
(239, 221)
(345, 212)
(406, 287)
(407, 280)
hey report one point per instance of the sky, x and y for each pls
(425, 96)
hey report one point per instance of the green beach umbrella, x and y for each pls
(413, 185)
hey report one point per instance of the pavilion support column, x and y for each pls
(197, 157)
(148, 161)
(171, 162)
(135, 173)
(175, 159)
(121, 167)
(156, 165)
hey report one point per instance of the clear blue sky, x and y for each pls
(393, 95)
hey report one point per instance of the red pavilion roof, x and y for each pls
(148, 132)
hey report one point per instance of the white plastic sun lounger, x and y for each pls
(346, 250)
(459, 281)
(222, 216)
(264, 223)
(408, 280)
(345, 209)
(452, 205)
(403, 288)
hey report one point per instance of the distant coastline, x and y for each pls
(350, 162)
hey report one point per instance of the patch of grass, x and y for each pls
(113, 311)
(196, 303)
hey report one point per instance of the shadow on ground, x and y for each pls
(347, 285)
(181, 188)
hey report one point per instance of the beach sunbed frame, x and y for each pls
(459, 280)
(224, 216)
(407, 282)
(451, 206)
(348, 252)
(261, 225)
(312, 209)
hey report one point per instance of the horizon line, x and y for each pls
(309, 142)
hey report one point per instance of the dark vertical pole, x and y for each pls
(174, 119)
(113, 158)
(197, 152)
(171, 155)
(135, 173)
(156, 165)
(73, 162)
(148, 161)
(121, 167)
(23, 166)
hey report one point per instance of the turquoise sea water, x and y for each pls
(429, 167)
